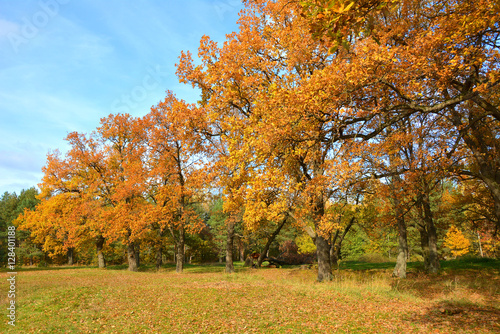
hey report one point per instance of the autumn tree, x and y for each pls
(177, 175)
(57, 224)
(468, 205)
(292, 105)
(102, 174)
(430, 57)
(456, 242)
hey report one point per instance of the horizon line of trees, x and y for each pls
(290, 245)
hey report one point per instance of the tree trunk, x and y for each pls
(229, 247)
(424, 243)
(186, 258)
(400, 269)
(336, 246)
(403, 252)
(158, 257)
(432, 234)
(70, 256)
(322, 243)
(334, 258)
(241, 249)
(270, 240)
(323, 254)
(100, 255)
(179, 266)
(174, 260)
(131, 257)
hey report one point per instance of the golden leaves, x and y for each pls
(456, 242)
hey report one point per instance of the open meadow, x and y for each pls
(362, 298)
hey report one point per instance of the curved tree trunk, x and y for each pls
(270, 240)
(336, 244)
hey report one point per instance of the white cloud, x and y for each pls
(7, 28)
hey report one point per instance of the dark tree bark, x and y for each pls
(179, 266)
(241, 249)
(270, 240)
(70, 256)
(428, 234)
(100, 255)
(229, 247)
(321, 242)
(334, 252)
(323, 254)
(433, 262)
(424, 243)
(131, 257)
(336, 245)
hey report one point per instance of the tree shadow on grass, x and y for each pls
(484, 283)
(459, 316)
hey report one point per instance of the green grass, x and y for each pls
(471, 263)
(362, 298)
(463, 263)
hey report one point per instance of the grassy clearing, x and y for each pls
(206, 300)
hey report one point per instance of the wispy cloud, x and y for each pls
(8, 28)
(90, 59)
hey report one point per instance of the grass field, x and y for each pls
(363, 298)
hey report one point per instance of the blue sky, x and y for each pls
(64, 64)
